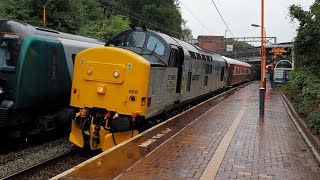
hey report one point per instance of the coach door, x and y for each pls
(176, 60)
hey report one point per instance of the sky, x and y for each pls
(239, 15)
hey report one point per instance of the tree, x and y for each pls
(306, 44)
(159, 15)
(106, 28)
(66, 16)
(83, 15)
(304, 87)
(239, 45)
(186, 33)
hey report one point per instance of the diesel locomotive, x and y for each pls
(36, 67)
(138, 75)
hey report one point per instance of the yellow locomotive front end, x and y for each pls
(110, 93)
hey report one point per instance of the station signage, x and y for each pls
(278, 51)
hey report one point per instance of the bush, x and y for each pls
(304, 91)
(314, 121)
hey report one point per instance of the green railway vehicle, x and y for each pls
(36, 68)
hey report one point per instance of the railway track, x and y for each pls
(35, 168)
(54, 165)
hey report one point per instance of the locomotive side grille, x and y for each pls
(3, 117)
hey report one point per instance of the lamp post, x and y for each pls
(262, 89)
(44, 12)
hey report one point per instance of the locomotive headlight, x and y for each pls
(116, 74)
(1, 90)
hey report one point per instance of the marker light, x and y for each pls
(89, 71)
(116, 74)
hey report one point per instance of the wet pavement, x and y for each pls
(228, 141)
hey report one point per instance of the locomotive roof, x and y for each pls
(26, 29)
(188, 47)
(237, 62)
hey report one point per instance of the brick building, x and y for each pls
(211, 43)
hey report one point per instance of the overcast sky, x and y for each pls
(239, 15)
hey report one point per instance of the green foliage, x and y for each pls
(82, 16)
(314, 121)
(105, 28)
(239, 45)
(306, 44)
(304, 88)
(159, 15)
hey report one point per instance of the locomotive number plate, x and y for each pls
(133, 91)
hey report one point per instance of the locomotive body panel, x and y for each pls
(111, 78)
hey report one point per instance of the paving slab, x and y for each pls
(231, 141)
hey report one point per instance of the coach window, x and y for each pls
(222, 74)
(155, 45)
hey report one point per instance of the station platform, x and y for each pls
(223, 138)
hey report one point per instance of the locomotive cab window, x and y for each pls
(9, 52)
(154, 45)
(174, 58)
(4, 54)
(133, 39)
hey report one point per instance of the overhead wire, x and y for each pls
(199, 22)
(195, 17)
(145, 21)
(222, 18)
